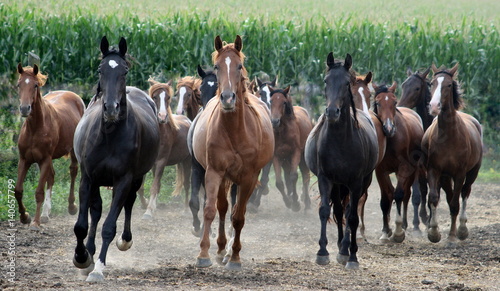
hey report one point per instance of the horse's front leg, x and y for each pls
(304, 170)
(46, 177)
(386, 197)
(433, 178)
(222, 206)
(325, 189)
(22, 169)
(279, 181)
(293, 177)
(124, 241)
(82, 258)
(454, 204)
(73, 171)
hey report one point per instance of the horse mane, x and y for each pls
(155, 85)
(244, 74)
(193, 83)
(41, 78)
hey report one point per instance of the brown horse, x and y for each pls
(403, 130)
(453, 147)
(292, 125)
(188, 91)
(233, 140)
(173, 146)
(362, 95)
(46, 134)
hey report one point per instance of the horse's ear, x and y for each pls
(273, 82)
(218, 43)
(434, 69)
(425, 73)
(20, 69)
(271, 90)
(330, 60)
(368, 77)
(409, 72)
(151, 81)
(122, 46)
(259, 82)
(348, 62)
(104, 45)
(453, 70)
(286, 90)
(238, 44)
(201, 72)
(393, 87)
(35, 69)
(169, 82)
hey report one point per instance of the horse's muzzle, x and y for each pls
(25, 110)
(275, 122)
(332, 114)
(389, 128)
(228, 101)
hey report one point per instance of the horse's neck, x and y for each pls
(345, 125)
(39, 113)
(448, 118)
(423, 108)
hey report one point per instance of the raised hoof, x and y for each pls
(25, 219)
(352, 266)
(72, 209)
(196, 233)
(203, 262)
(322, 260)
(385, 238)
(265, 190)
(433, 235)
(233, 266)
(398, 238)
(463, 232)
(123, 245)
(342, 259)
(95, 277)
(147, 216)
(44, 219)
(86, 264)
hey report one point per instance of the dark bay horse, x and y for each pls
(453, 147)
(188, 91)
(291, 125)
(116, 144)
(46, 134)
(403, 130)
(233, 140)
(173, 146)
(341, 151)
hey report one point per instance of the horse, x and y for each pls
(46, 134)
(264, 90)
(188, 90)
(291, 125)
(342, 151)
(362, 95)
(116, 143)
(403, 130)
(453, 148)
(173, 146)
(233, 140)
(416, 94)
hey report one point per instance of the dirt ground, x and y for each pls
(279, 251)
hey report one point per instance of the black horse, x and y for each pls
(116, 143)
(341, 151)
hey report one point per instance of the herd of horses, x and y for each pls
(228, 131)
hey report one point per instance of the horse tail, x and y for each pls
(179, 180)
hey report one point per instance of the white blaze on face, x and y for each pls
(436, 97)
(180, 105)
(113, 64)
(363, 99)
(27, 81)
(268, 93)
(163, 108)
(211, 83)
(228, 63)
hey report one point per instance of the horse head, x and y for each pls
(281, 105)
(338, 81)
(385, 107)
(414, 89)
(265, 91)
(361, 92)
(209, 85)
(444, 90)
(231, 74)
(29, 84)
(113, 70)
(161, 93)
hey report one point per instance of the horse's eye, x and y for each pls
(240, 66)
(216, 67)
(417, 89)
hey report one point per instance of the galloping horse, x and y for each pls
(116, 143)
(264, 90)
(188, 90)
(453, 147)
(232, 140)
(46, 134)
(173, 145)
(341, 151)
(403, 130)
(291, 125)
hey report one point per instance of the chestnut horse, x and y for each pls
(453, 147)
(291, 125)
(46, 134)
(403, 130)
(116, 144)
(342, 151)
(188, 91)
(173, 146)
(233, 140)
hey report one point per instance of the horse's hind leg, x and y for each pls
(124, 241)
(386, 193)
(291, 177)
(416, 201)
(279, 181)
(197, 178)
(186, 181)
(73, 171)
(47, 202)
(304, 170)
(155, 190)
(46, 176)
(22, 169)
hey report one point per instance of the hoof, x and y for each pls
(322, 260)
(35, 227)
(265, 190)
(89, 261)
(463, 232)
(220, 258)
(433, 235)
(417, 232)
(72, 209)
(296, 206)
(352, 266)
(123, 245)
(88, 270)
(385, 238)
(147, 216)
(25, 219)
(233, 266)
(203, 262)
(196, 233)
(95, 276)
(398, 238)
(342, 259)
(44, 219)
